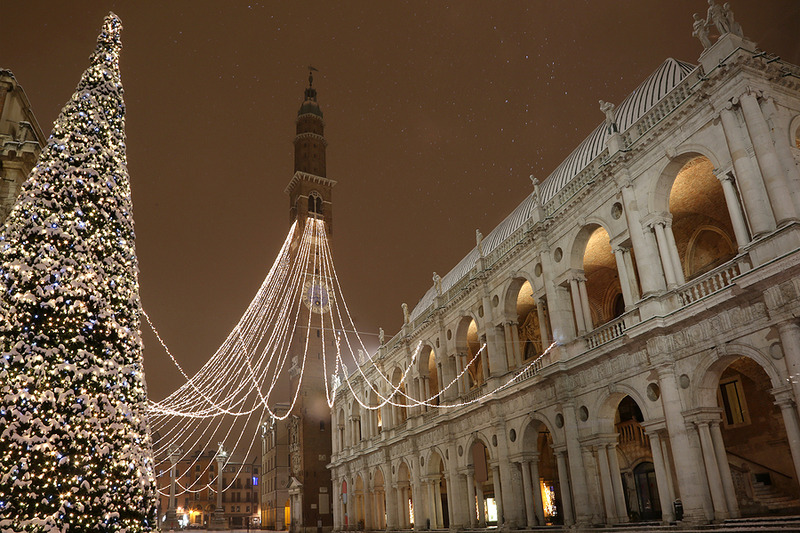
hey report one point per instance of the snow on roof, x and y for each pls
(641, 100)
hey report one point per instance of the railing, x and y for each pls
(530, 371)
(630, 432)
(473, 394)
(709, 283)
(576, 183)
(607, 332)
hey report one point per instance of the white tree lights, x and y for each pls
(74, 440)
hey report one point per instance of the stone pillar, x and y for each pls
(172, 516)
(626, 256)
(664, 498)
(752, 188)
(624, 282)
(724, 469)
(481, 505)
(509, 341)
(577, 308)
(219, 521)
(587, 311)
(607, 487)
(402, 505)
(774, 176)
(471, 497)
(437, 494)
(540, 306)
(616, 482)
(577, 474)
(561, 316)
(668, 466)
(789, 412)
(515, 346)
(392, 519)
(369, 497)
(485, 360)
(498, 494)
(426, 382)
(431, 507)
(664, 252)
(734, 209)
(417, 497)
(789, 332)
(564, 485)
(496, 359)
(712, 471)
(690, 480)
(527, 490)
(780, 127)
(650, 272)
(537, 489)
(673, 252)
(462, 386)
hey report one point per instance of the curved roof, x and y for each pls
(641, 100)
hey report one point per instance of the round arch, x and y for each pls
(581, 238)
(658, 197)
(716, 361)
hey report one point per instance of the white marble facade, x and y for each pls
(663, 258)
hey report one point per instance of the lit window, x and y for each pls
(733, 403)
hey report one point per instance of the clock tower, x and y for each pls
(313, 345)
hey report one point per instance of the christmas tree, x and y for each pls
(75, 450)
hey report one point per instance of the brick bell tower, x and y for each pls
(310, 491)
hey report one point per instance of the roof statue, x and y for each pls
(381, 336)
(716, 15)
(437, 283)
(405, 312)
(735, 27)
(608, 109)
(701, 31)
(479, 241)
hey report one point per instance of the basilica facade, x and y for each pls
(624, 346)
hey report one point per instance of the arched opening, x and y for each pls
(484, 485)
(438, 513)
(399, 399)
(314, 203)
(359, 515)
(405, 497)
(345, 503)
(428, 371)
(468, 345)
(756, 442)
(355, 423)
(340, 429)
(287, 514)
(636, 462)
(602, 279)
(544, 493)
(526, 336)
(701, 224)
(379, 493)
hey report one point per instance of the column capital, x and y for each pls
(651, 220)
(703, 416)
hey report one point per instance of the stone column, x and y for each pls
(673, 252)
(537, 489)
(587, 312)
(667, 513)
(624, 282)
(616, 482)
(663, 250)
(774, 176)
(498, 494)
(789, 412)
(219, 521)
(626, 256)
(417, 497)
(481, 505)
(577, 308)
(515, 346)
(734, 209)
(724, 469)
(789, 332)
(462, 386)
(471, 496)
(690, 482)
(437, 494)
(509, 341)
(752, 188)
(561, 316)
(527, 490)
(607, 487)
(426, 382)
(540, 306)
(712, 471)
(172, 507)
(431, 507)
(369, 500)
(497, 361)
(564, 485)
(392, 520)
(577, 474)
(780, 127)
(651, 274)
(402, 505)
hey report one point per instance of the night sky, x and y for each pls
(435, 115)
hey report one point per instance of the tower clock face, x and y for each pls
(316, 297)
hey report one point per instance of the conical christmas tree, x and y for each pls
(75, 452)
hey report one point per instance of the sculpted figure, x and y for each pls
(437, 282)
(381, 336)
(479, 241)
(718, 17)
(701, 31)
(405, 312)
(608, 109)
(734, 26)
